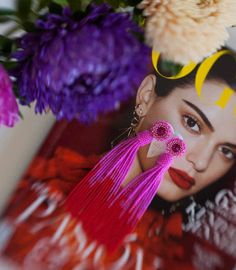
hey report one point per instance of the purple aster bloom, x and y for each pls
(9, 113)
(81, 67)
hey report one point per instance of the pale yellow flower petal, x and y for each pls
(187, 30)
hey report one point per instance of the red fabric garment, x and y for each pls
(46, 237)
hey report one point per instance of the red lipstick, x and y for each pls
(181, 178)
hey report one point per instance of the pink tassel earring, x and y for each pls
(107, 211)
(104, 180)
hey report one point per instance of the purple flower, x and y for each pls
(9, 113)
(81, 67)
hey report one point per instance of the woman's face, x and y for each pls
(208, 131)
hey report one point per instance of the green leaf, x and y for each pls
(11, 30)
(61, 2)
(114, 3)
(84, 4)
(6, 11)
(75, 5)
(98, 2)
(131, 2)
(9, 65)
(5, 46)
(55, 8)
(21, 115)
(169, 68)
(23, 8)
(16, 91)
(4, 19)
(28, 26)
(138, 18)
(42, 4)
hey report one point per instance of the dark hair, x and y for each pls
(223, 70)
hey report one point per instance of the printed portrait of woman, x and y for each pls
(208, 130)
(48, 236)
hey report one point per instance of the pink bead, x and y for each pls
(176, 147)
(161, 130)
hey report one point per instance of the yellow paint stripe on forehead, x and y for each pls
(224, 98)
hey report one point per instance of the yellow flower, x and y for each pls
(187, 30)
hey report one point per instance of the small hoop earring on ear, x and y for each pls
(139, 110)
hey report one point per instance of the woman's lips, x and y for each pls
(181, 178)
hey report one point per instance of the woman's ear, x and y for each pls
(146, 93)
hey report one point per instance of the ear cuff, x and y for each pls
(163, 131)
(175, 147)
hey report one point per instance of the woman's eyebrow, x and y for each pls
(201, 114)
(230, 145)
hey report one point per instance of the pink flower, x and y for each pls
(8, 106)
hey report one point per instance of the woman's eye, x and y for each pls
(227, 153)
(191, 123)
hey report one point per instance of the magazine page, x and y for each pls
(191, 231)
(139, 170)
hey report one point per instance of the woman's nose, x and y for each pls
(200, 156)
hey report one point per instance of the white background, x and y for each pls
(18, 145)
